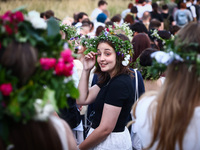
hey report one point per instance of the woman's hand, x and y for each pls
(89, 61)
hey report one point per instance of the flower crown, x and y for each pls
(179, 53)
(70, 31)
(123, 48)
(124, 29)
(49, 87)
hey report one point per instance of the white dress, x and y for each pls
(114, 141)
(142, 130)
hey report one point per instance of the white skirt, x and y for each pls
(115, 141)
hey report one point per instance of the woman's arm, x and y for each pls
(109, 119)
(87, 96)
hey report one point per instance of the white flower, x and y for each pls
(165, 58)
(127, 57)
(42, 112)
(125, 62)
(36, 21)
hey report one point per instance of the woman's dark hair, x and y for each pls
(140, 42)
(108, 23)
(34, 135)
(120, 69)
(174, 29)
(129, 19)
(49, 14)
(116, 18)
(155, 7)
(146, 60)
(183, 5)
(21, 59)
(138, 27)
(134, 10)
(164, 34)
(99, 30)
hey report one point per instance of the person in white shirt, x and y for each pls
(192, 9)
(147, 6)
(169, 119)
(102, 5)
(126, 11)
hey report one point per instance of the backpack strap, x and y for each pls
(136, 85)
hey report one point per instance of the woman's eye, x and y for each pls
(98, 54)
(107, 54)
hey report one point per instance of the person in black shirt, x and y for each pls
(156, 15)
(113, 95)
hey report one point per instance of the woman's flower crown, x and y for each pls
(175, 53)
(124, 48)
(50, 85)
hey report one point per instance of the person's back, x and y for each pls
(177, 102)
(182, 17)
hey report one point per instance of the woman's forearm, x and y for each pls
(96, 137)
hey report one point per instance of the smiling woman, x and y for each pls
(113, 95)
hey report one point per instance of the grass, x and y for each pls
(64, 8)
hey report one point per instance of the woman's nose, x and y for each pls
(102, 57)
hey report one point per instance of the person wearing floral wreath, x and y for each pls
(169, 119)
(35, 78)
(113, 94)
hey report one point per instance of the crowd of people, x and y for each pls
(130, 81)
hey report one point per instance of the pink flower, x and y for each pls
(61, 60)
(6, 16)
(18, 16)
(8, 29)
(60, 67)
(6, 89)
(47, 63)
(67, 56)
(107, 29)
(68, 69)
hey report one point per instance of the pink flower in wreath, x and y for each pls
(18, 16)
(47, 63)
(7, 16)
(67, 55)
(60, 67)
(6, 89)
(68, 69)
(8, 29)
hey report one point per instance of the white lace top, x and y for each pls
(142, 131)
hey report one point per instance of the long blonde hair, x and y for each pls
(177, 100)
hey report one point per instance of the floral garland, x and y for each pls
(124, 29)
(179, 53)
(70, 31)
(50, 86)
(124, 48)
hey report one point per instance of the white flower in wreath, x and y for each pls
(125, 62)
(35, 19)
(165, 58)
(42, 112)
